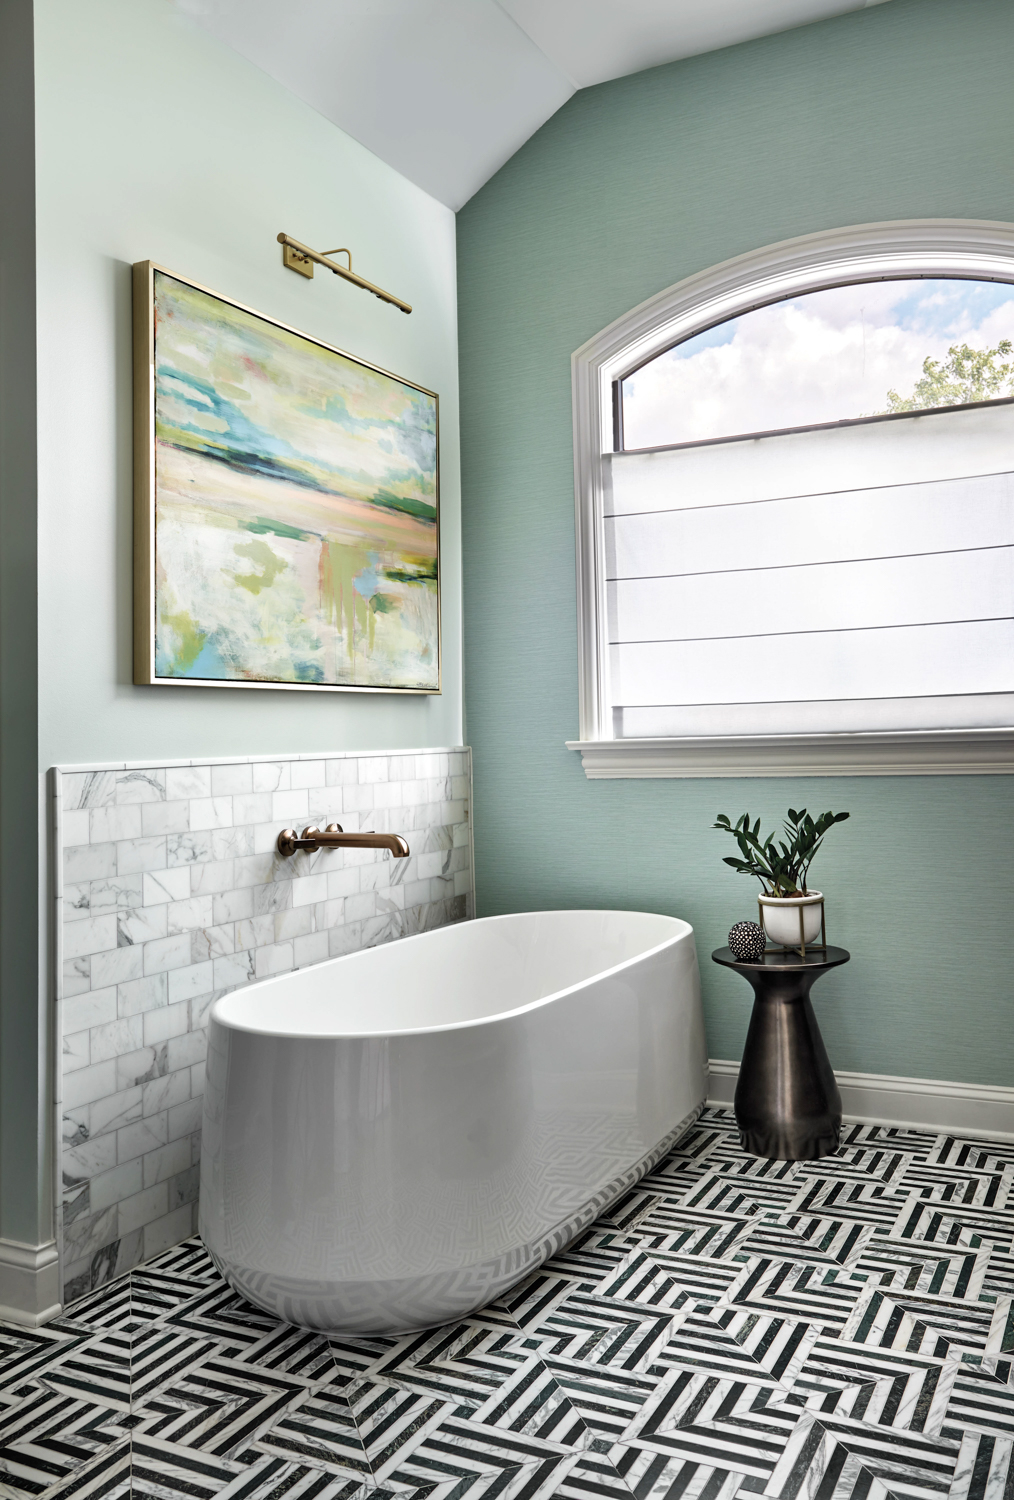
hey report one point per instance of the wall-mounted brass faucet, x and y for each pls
(334, 837)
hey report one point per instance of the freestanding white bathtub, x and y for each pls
(393, 1138)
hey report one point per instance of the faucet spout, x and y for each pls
(335, 837)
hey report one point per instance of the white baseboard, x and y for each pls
(29, 1283)
(970, 1109)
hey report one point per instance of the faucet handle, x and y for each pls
(333, 828)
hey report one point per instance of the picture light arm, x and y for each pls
(299, 257)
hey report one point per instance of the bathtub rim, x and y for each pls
(280, 1034)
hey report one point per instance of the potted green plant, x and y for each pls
(791, 914)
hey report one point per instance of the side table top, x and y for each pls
(813, 960)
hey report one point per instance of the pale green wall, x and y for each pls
(155, 142)
(901, 111)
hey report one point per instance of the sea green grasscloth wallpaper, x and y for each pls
(904, 110)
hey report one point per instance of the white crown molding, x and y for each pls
(917, 752)
(29, 1283)
(967, 1109)
(866, 252)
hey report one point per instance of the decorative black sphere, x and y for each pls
(746, 941)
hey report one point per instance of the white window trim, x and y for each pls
(865, 252)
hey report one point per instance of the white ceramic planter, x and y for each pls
(781, 918)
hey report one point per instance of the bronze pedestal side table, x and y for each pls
(788, 1107)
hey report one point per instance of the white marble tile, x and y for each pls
(255, 932)
(88, 1084)
(212, 942)
(255, 869)
(76, 826)
(290, 807)
(164, 817)
(89, 935)
(194, 911)
(192, 979)
(185, 1118)
(108, 825)
(311, 948)
(345, 939)
(306, 773)
(76, 1051)
(167, 953)
(117, 1038)
(234, 969)
(188, 848)
(141, 925)
(227, 781)
(230, 906)
(252, 809)
(187, 782)
(133, 855)
(358, 798)
(210, 812)
(142, 1208)
(292, 923)
(116, 967)
(341, 772)
(90, 1157)
(88, 788)
(231, 843)
(164, 1163)
(163, 1094)
(110, 1188)
(271, 776)
(75, 977)
(265, 837)
(169, 1230)
(88, 862)
(360, 906)
(184, 1051)
(211, 878)
(344, 882)
(308, 889)
(169, 1021)
(141, 994)
(96, 1008)
(140, 786)
(143, 1134)
(115, 1110)
(276, 958)
(165, 886)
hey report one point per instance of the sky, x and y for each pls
(821, 357)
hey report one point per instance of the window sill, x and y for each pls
(942, 752)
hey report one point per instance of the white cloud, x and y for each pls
(820, 358)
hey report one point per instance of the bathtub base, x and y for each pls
(363, 1309)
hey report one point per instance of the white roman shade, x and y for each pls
(841, 579)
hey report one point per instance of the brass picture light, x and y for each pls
(298, 257)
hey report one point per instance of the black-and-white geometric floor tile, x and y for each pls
(840, 1329)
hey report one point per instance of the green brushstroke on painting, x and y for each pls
(328, 466)
(189, 640)
(260, 554)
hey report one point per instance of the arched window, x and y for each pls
(795, 511)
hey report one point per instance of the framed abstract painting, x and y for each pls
(286, 505)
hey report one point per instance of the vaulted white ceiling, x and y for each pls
(446, 90)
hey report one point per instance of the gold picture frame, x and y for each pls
(286, 505)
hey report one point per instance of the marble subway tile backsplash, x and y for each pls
(170, 893)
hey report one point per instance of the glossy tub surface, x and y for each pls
(393, 1138)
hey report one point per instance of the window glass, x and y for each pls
(845, 352)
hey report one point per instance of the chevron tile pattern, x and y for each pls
(832, 1330)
